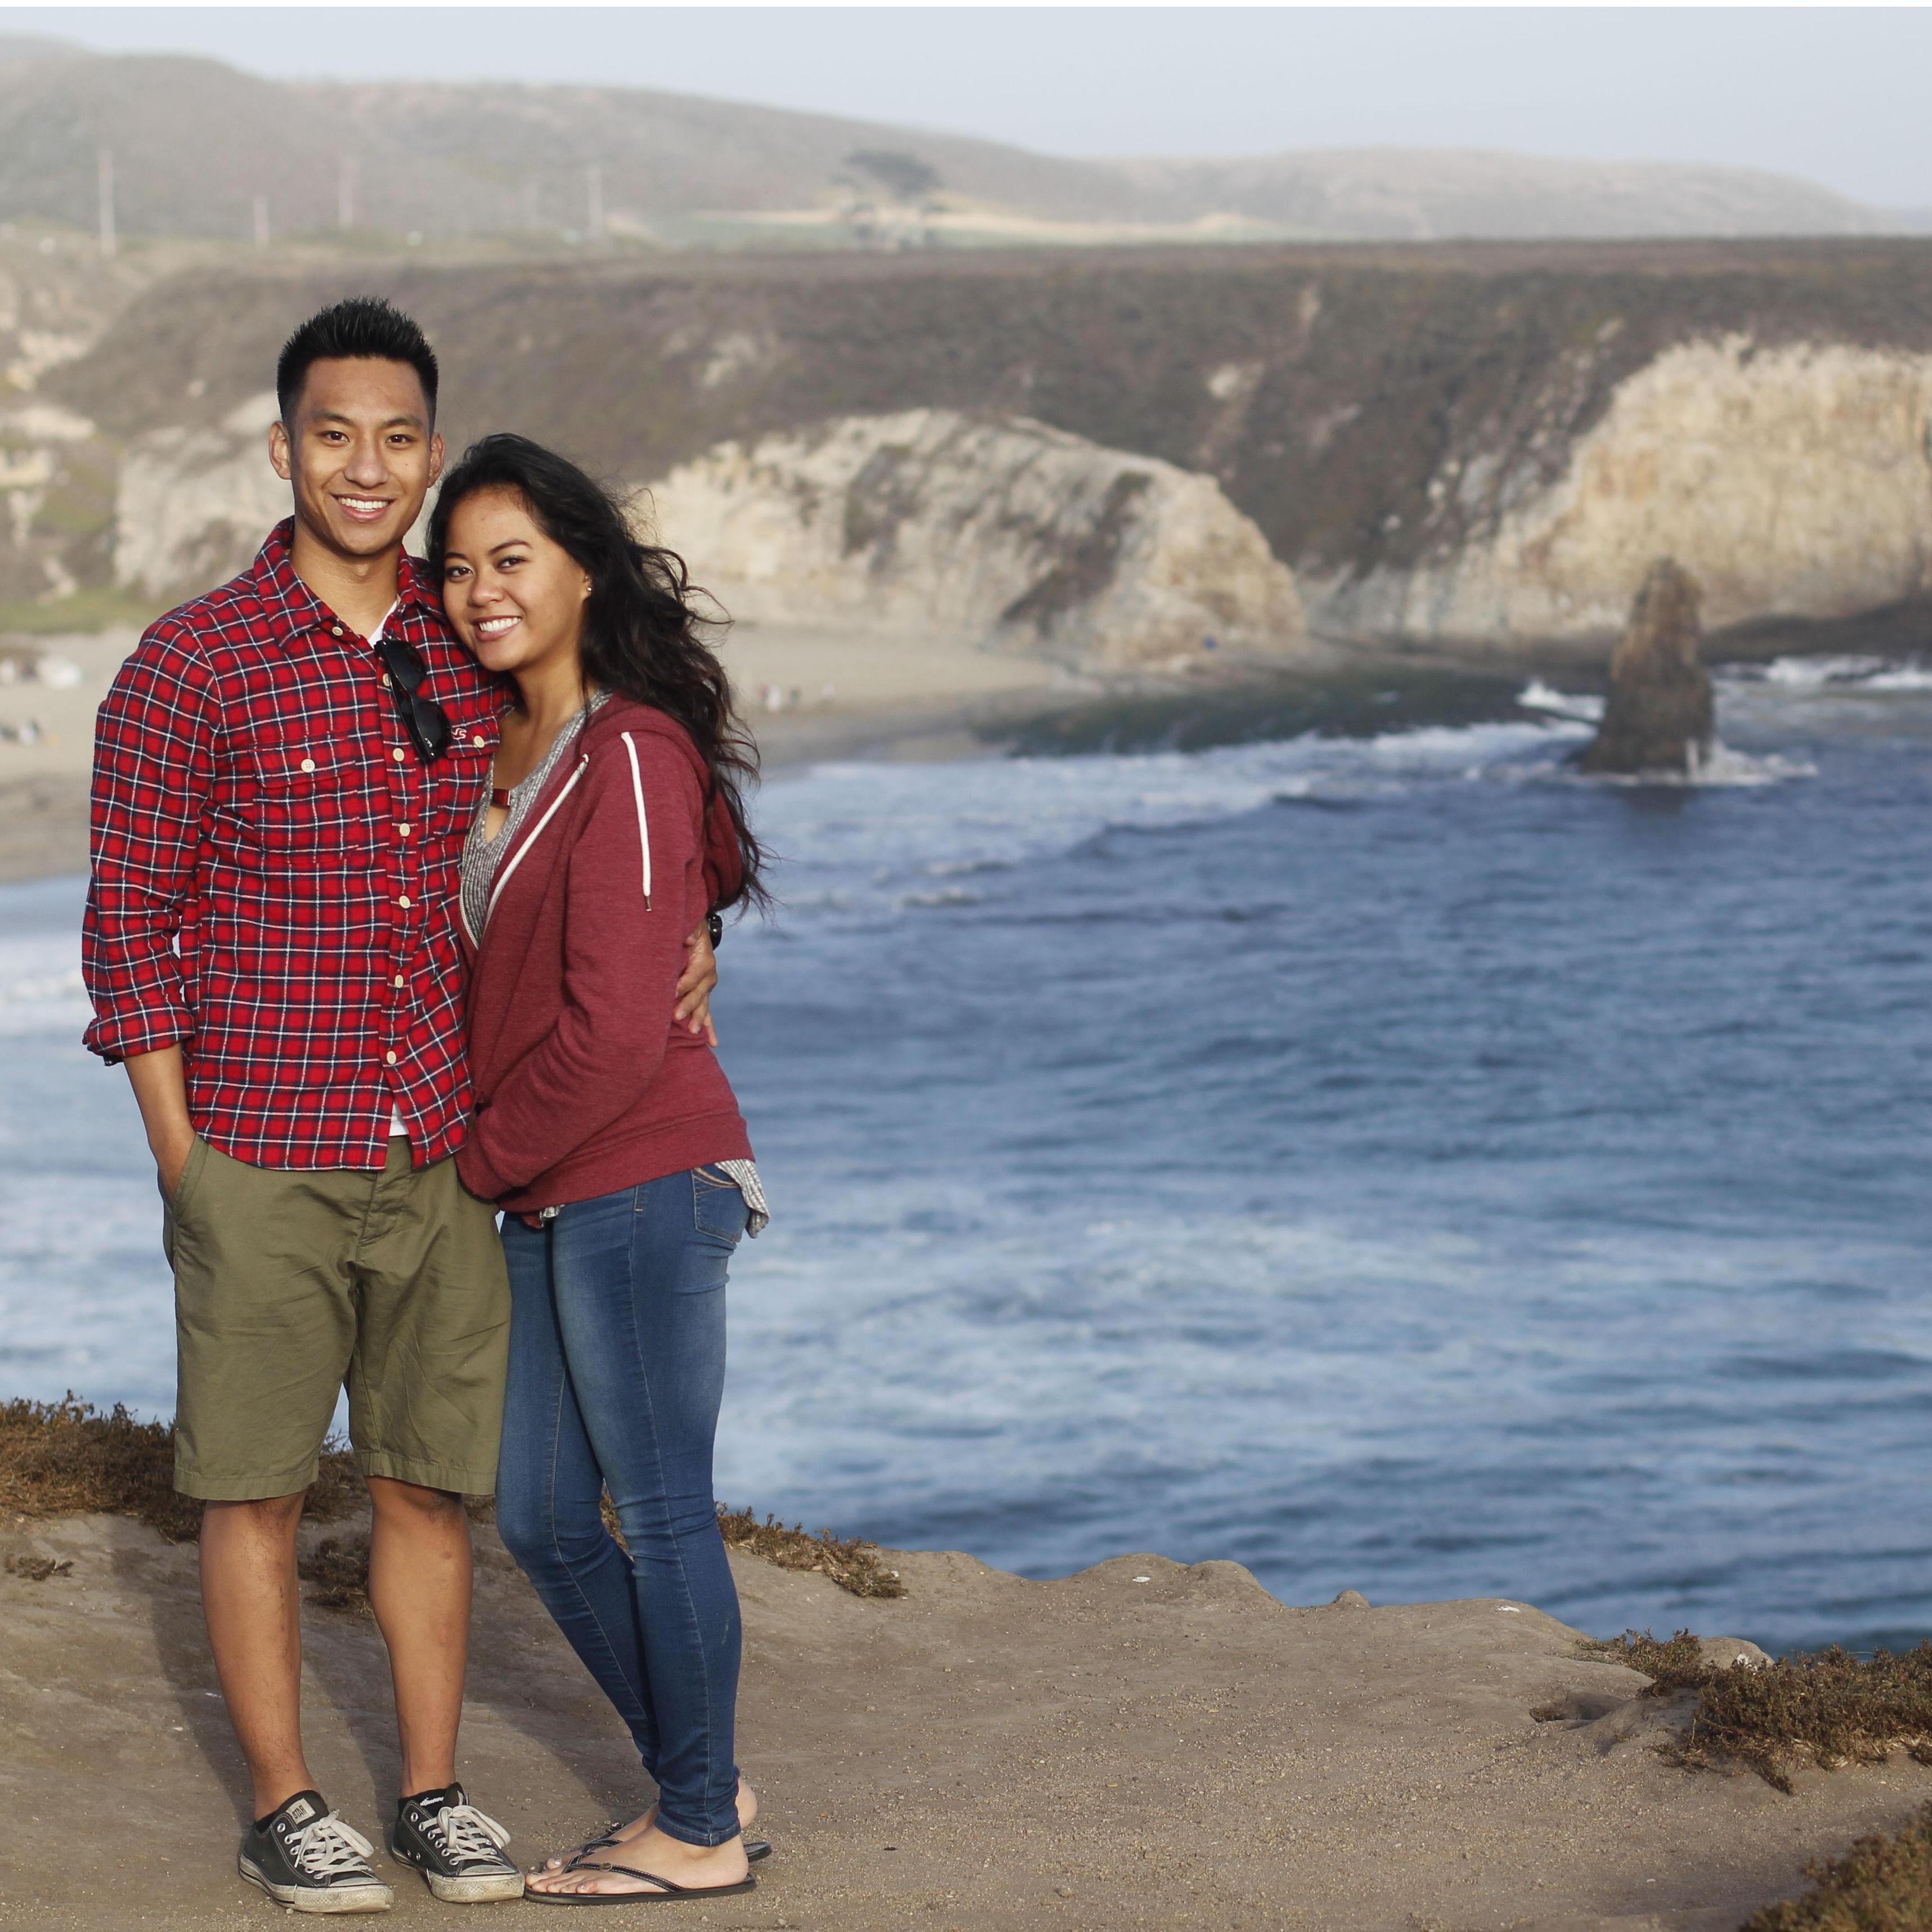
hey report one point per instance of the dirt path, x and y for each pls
(1140, 1745)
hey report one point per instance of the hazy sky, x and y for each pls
(1837, 94)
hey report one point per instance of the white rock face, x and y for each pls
(193, 504)
(994, 531)
(1790, 482)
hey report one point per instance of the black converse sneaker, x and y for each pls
(458, 1849)
(302, 1855)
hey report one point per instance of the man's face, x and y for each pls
(360, 452)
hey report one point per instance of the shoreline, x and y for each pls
(43, 815)
(841, 697)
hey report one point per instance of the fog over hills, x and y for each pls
(195, 142)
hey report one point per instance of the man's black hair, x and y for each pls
(363, 326)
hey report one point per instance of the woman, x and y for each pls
(610, 1137)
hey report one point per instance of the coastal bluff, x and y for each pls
(997, 531)
(1144, 1744)
(1466, 449)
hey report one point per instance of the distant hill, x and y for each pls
(1426, 195)
(195, 142)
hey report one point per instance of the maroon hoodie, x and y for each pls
(584, 1085)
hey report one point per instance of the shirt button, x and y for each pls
(403, 901)
(402, 832)
(308, 764)
(398, 754)
(400, 981)
(335, 630)
(476, 737)
(389, 1059)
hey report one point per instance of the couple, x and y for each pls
(405, 885)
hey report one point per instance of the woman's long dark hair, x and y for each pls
(643, 635)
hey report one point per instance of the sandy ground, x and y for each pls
(1141, 1744)
(807, 695)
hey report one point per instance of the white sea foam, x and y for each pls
(40, 990)
(1846, 674)
(1581, 706)
(1813, 674)
(1724, 766)
(1724, 769)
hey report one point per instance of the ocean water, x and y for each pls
(1392, 1162)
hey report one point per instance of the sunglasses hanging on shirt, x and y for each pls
(425, 720)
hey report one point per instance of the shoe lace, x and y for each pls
(469, 1834)
(329, 1848)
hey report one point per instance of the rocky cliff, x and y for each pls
(1795, 480)
(193, 503)
(1468, 448)
(997, 531)
(57, 476)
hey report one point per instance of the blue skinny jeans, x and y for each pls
(616, 1369)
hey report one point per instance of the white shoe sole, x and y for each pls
(475, 1890)
(375, 1898)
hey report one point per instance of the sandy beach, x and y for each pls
(1142, 1744)
(807, 694)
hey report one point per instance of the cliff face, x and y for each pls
(1000, 531)
(1448, 447)
(57, 477)
(194, 504)
(1793, 482)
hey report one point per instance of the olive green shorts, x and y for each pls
(290, 1283)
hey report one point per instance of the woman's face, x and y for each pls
(515, 596)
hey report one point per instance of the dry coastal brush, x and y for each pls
(1825, 1708)
(68, 1458)
(1883, 1884)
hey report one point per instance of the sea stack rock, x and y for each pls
(1660, 716)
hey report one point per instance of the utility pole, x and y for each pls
(345, 195)
(105, 164)
(593, 180)
(261, 221)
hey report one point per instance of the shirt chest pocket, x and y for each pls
(461, 777)
(306, 795)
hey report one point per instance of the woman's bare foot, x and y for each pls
(690, 1867)
(606, 1846)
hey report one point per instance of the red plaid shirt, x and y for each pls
(276, 871)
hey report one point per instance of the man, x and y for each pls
(285, 771)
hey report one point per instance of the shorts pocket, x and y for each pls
(171, 1210)
(191, 1168)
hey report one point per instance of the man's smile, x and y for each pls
(366, 509)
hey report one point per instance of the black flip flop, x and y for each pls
(669, 1891)
(755, 1850)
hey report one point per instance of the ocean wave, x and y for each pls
(41, 988)
(1802, 676)
(862, 837)
(1724, 769)
(1581, 707)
